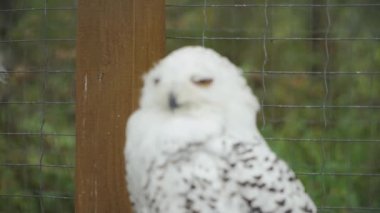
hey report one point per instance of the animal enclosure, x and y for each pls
(314, 65)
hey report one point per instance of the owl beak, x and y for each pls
(173, 104)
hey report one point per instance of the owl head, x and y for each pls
(194, 80)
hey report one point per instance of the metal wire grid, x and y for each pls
(44, 103)
(37, 43)
(179, 34)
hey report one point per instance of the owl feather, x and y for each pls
(193, 145)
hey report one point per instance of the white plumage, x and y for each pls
(193, 145)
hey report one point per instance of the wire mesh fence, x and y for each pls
(315, 66)
(37, 48)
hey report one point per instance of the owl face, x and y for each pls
(193, 78)
(182, 87)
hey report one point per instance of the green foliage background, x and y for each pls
(334, 149)
(38, 47)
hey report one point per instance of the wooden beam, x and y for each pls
(117, 41)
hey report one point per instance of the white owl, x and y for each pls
(193, 145)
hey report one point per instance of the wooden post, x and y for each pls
(117, 41)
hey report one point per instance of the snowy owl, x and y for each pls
(193, 145)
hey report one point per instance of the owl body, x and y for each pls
(193, 145)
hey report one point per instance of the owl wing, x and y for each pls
(223, 175)
(264, 182)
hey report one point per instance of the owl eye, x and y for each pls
(156, 81)
(204, 82)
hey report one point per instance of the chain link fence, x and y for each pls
(37, 135)
(315, 67)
